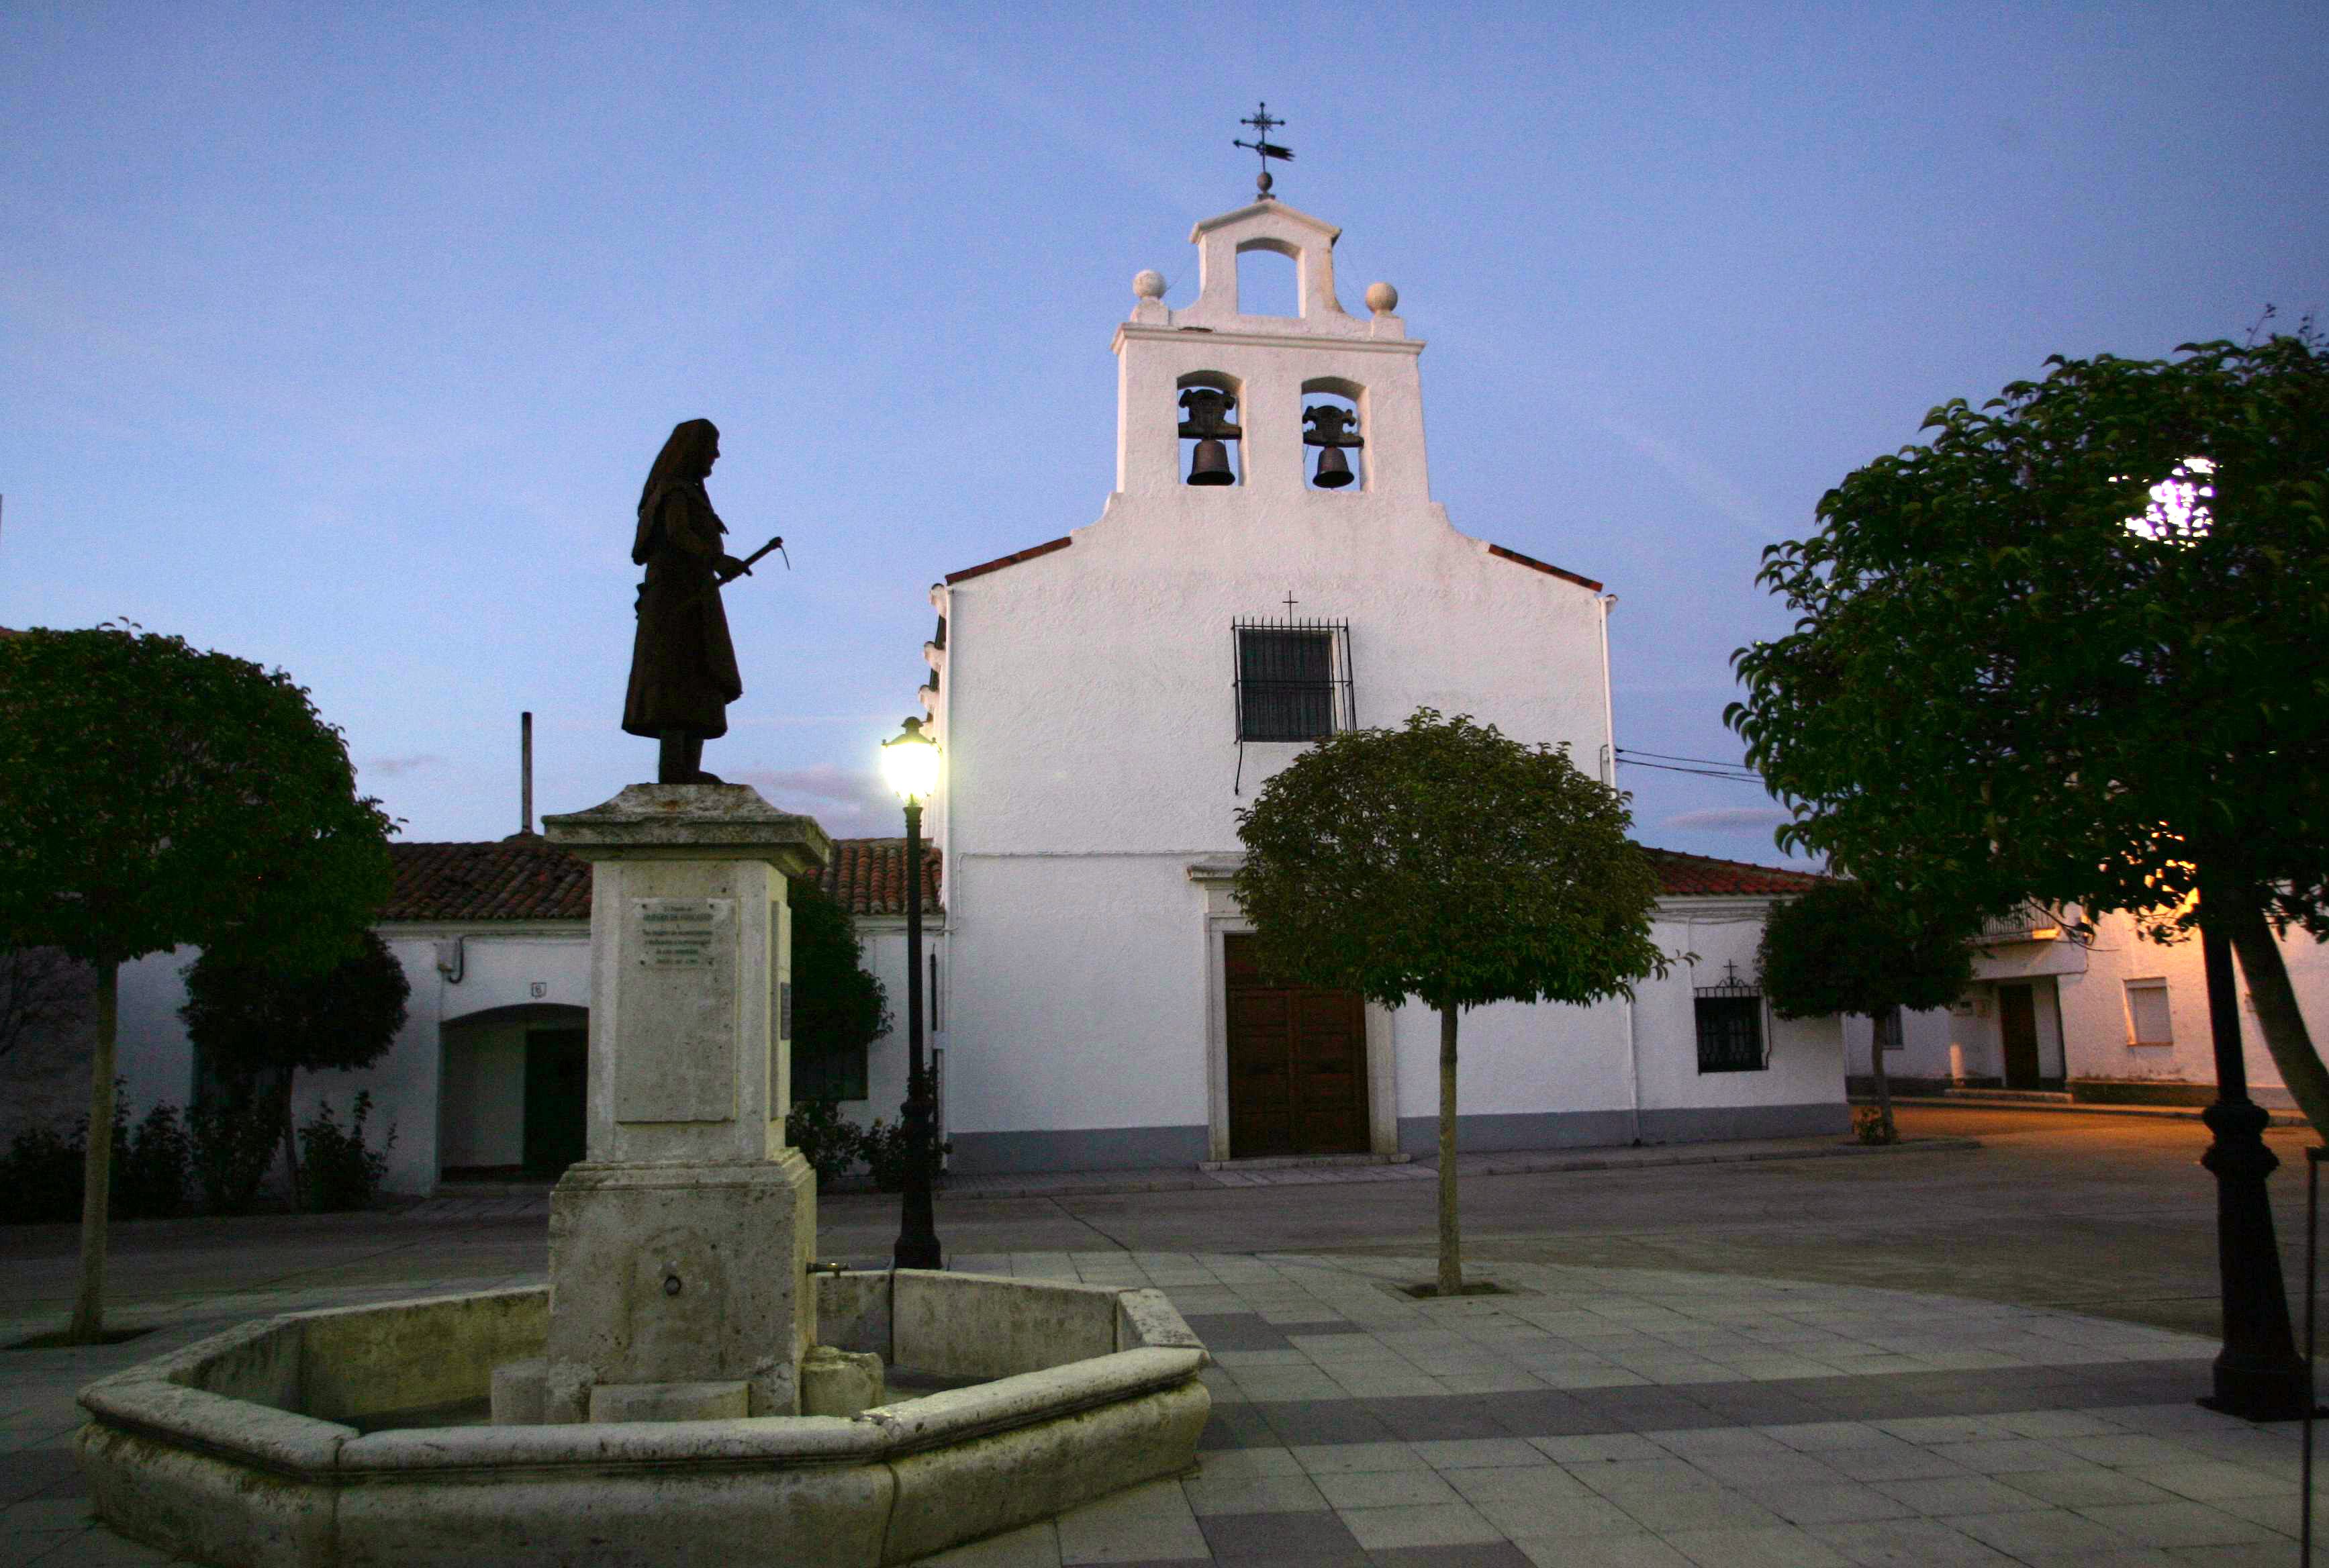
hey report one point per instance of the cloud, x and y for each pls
(846, 802)
(1730, 819)
(1711, 487)
(393, 767)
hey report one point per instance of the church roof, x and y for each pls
(1682, 876)
(524, 877)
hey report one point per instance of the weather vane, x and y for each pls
(1263, 125)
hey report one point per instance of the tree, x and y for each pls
(154, 796)
(1443, 862)
(839, 1008)
(40, 989)
(1841, 949)
(260, 1025)
(2076, 648)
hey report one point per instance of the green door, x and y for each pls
(557, 1069)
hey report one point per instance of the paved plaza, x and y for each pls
(1593, 1415)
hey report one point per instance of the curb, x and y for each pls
(1104, 1184)
(2280, 1118)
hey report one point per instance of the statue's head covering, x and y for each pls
(685, 459)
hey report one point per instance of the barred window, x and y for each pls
(1731, 1026)
(1293, 680)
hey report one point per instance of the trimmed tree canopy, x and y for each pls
(250, 1019)
(838, 1007)
(153, 797)
(2072, 646)
(1445, 862)
(1838, 949)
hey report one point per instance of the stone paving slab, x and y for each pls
(503, 1202)
(1618, 1418)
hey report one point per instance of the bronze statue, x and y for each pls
(682, 665)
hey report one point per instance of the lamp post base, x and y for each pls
(2259, 1374)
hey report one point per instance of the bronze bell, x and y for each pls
(1211, 466)
(1330, 431)
(1209, 424)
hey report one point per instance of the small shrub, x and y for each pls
(153, 1166)
(336, 1170)
(1869, 1125)
(234, 1139)
(828, 1141)
(886, 1153)
(40, 1176)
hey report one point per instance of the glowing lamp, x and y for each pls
(910, 763)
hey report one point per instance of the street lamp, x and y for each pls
(2259, 1374)
(910, 764)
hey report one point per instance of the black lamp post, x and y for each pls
(2258, 1375)
(910, 762)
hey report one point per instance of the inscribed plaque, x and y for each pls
(676, 1011)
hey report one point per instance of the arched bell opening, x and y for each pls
(1268, 279)
(1334, 435)
(1212, 438)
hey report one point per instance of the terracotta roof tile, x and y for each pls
(1682, 876)
(868, 876)
(518, 879)
(512, 879)
(1012, 559)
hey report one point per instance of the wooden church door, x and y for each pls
(1297, 1062)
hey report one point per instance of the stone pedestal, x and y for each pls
(679, 1251)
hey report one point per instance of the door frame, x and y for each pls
(1223, 918)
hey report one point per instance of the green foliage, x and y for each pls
(1871, 1125)
(43, 1172)
(251, 1018)
(829, 1141)
(1840, 949)
(40, 1176)
(233, 1142)
(839, 1008)
(1996, 689)
(890, 1156)
(1445, 862)
(153, 797)
(337, 1170)
(153, 1167)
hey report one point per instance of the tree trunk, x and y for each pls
(2277, 1017)
(1880, 1035)
(88, 1325)
(290, 1138)
(1451, 1241)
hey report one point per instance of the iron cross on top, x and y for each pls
(1263, 123)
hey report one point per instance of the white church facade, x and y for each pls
(1109, 700)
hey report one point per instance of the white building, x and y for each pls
(2093, 1009)
(484, 1082)
(1110, 699)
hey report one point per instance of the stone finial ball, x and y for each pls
(1148, 284)
(1382, 299)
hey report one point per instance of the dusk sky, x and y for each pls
(341, 338)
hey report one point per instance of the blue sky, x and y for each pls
(341, 338)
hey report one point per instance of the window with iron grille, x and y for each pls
(1731, 1026)
(1293, 680)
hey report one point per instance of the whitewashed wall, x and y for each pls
(1087, 700)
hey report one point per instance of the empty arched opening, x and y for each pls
(1212, 437)
(1334, 435)
(1270, 278)
(515, 1102)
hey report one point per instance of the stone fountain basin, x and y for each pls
(278, 1444)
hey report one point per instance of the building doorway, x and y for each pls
(557, 1073)
(2017, 1035)
(1297, 1062)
